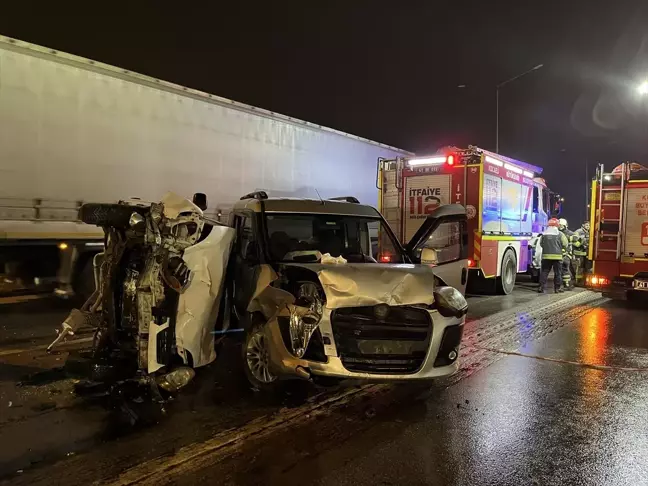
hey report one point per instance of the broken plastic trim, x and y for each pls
(176, 379)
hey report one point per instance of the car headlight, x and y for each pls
(450, 302)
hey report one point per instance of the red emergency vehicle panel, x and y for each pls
(423, 194)
(636, 224)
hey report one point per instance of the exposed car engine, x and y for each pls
(140, 277)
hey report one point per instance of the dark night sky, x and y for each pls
(390, 71)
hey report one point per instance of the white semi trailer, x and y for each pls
(75, 130)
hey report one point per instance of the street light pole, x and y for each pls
(497, 90)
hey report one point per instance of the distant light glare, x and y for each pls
(642, 89)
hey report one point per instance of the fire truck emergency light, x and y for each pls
(517, 170)
(513, 168)
(427, 161)
(494, 161)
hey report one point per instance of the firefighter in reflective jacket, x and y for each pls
(581, 250)
(550, 248)
(568, 270)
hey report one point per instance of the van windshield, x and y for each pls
(306, 237)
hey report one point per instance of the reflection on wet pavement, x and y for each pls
(518, 421)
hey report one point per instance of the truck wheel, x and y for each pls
(256, 360)
(506, 282)
(115, 215)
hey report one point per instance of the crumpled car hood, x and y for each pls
(369, 284)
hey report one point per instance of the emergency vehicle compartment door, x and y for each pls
(636, 222)
(422, 195)
(442, 243)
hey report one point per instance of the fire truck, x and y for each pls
(619, 232)
(506, 201)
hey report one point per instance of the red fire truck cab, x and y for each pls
(619, 232)
(506, 201)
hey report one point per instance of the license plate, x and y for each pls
(641, 284)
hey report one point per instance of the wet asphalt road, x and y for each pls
(572, 410)
(48, 432)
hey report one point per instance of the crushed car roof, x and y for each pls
(310, 206)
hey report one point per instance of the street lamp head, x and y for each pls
(642, 89)
(537, 67)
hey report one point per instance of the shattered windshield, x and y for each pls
(306, 237)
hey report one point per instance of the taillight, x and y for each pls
(450, 159)
(385, 258)
(471, 263)
(597, 281)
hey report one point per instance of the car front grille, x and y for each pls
(373, 342)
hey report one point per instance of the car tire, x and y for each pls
(113, 215)
(508, 273)
(255, 354)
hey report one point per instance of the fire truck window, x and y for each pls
(446, 241)
(511, 207)
(536, 199)
(492, 210)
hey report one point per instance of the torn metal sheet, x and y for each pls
(152, 358)
(368, 284)
(174, 205)
(267, 299)
(199, 305)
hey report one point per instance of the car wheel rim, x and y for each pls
(258, 358)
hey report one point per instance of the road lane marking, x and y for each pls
(564, 361)
(8, 352)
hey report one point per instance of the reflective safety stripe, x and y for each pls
(551, 257)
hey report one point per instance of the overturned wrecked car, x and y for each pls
(321, 290)
(159, 283)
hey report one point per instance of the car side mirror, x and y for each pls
(429, 256)
(200, 200)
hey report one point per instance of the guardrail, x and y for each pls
(59, 210)
(14, 209)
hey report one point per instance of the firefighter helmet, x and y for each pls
(562, 222)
